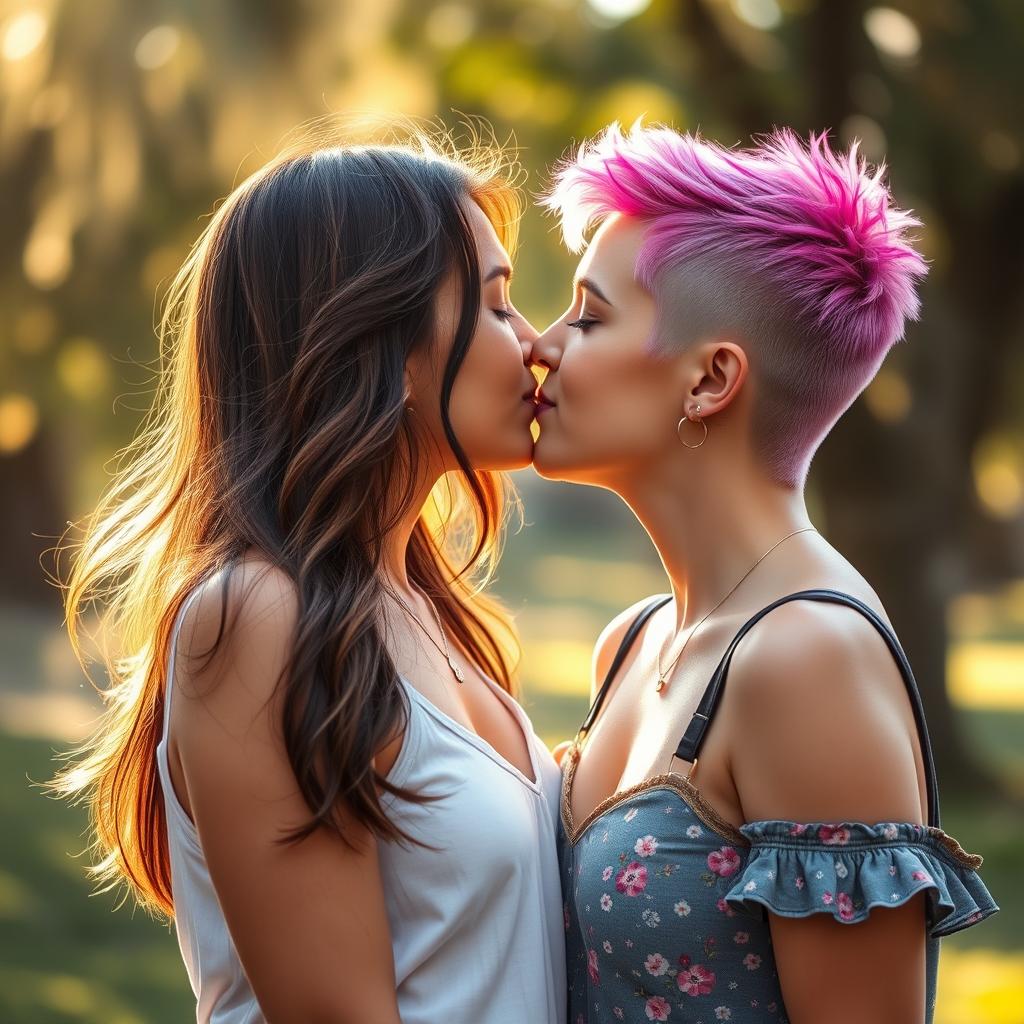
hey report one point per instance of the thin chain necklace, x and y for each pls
(663, 674)
(446, 650)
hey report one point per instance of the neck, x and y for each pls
(395, 543)
(710, 529)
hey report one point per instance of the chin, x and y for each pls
(553, 464)
(547, 464)
(517, 454)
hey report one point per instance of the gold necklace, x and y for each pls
(663, 674)
(445, 651)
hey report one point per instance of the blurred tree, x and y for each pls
(121, 123)
(926, 90)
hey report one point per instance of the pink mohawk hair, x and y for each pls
(815, 227)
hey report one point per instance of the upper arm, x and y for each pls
(306, 961)
(817, 699)
(608, 643)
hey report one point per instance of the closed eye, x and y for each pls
(582, 324)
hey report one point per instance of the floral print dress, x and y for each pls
(666, 903)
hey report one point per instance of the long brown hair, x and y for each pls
(278, 424)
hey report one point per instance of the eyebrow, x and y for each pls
(590, 286)
(504, 271)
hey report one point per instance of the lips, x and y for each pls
(542, 401)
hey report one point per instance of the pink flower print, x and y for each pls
(646, 846)
(800, 882)
(741, 938)
(607, 873)
(751, 961)
(845, 905)
(632, 879)
(724, 862)
(656, 965)
(798, 830)
(682, 908)
(592, 969)
(772, 1007)
(696, 980)
(617, 1010)
(684, 960)
(725, 908)
(606, 902)
(657, 1008)
(826, 898)
(834, 835)
(723, 1013)
(920, 876)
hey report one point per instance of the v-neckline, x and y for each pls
(672, 781)
(477, 741)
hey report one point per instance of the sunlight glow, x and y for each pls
(979, 985)
(23, 35)
(449, 25)
(157, 47)
(19, 419)
(618, 10)
(762, 14)
(892, 32)
(998, 465)
(986, 675)
(888, 396)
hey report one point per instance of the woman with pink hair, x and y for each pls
(730, 307)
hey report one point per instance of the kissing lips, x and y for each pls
(543, 402)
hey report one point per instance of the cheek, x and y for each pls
(487, 407)
(614, 397)
(490, 374)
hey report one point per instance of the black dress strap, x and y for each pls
(620, 656)
(690, 744)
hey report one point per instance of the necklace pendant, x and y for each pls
(456, 671)
(662, 683)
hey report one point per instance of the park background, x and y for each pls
(121, 125)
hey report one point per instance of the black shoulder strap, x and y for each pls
(620, 656)
(689, 746)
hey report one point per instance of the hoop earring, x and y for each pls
(700, 421)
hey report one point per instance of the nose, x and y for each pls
(547, 348)
(527, 335)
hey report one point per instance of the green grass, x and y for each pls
(65, 955)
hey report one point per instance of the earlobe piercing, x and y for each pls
(694, 415)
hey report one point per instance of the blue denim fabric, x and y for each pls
(666, 904)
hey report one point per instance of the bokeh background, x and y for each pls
(123, 121)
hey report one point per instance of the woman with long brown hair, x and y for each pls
(310, 757)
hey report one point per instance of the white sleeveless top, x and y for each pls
(476, 926)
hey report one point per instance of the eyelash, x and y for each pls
(504, 314)
(583, 324)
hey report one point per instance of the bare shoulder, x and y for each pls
(609, 640)
(234, 641)
(822, 719)
(306, 961)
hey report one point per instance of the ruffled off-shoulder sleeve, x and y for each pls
(847, 869)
